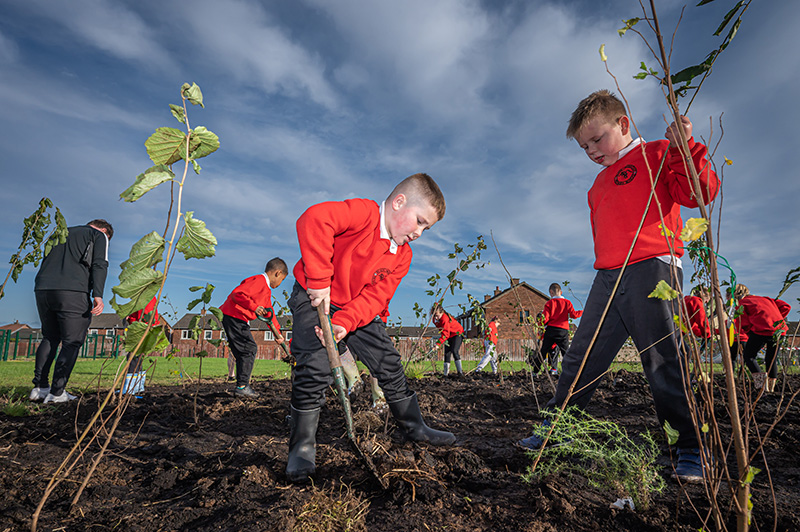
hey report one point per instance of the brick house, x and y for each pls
(267, 349)
(515, 306)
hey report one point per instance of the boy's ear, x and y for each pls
(624, 125)
(398, 201)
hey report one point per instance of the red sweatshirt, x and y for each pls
(449, 326)
(698, 320)
(557, 312)
(620, 193)
(251, 293)
(491, 332)
(137, 316)
(764, 315)
(341, 247)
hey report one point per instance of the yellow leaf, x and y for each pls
(728, 161)
(603, 53)
(664, 291)
(694, 229)
(665, 232)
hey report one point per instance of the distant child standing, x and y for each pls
(490, 345)
(556, 314)
(253, 297)
(452, 333)
(618, 199)
(354, 255)
(764, 321)
(696, 309)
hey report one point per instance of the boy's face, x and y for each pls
(276, 277)
(406, 220)
(602, 140)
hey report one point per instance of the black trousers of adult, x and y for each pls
(65, 317)
(754, 344)
(452, 347)
(554, 338)
(370, 343)
(649, 322)
(243, 347)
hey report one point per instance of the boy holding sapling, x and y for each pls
(354, 255)
(618, 199)
(253, 297)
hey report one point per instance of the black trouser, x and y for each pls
(754, 343)
(649, 322)
(243, 347)
(369, 343)
(452, 347)
(65, 317)
(554, 338)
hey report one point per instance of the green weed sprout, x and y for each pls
(602, 452)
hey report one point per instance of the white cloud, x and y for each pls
(239, 37)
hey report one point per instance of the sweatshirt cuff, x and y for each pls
(317, 284)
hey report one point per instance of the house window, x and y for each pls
(287, 335)
(222, 335)
(208, 335)
(93, 331)
(186, 334)
(524, 315)
(268, 335)
(109, 332)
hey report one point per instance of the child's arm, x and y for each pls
(372, 299)
(677, 175)
(316, 229)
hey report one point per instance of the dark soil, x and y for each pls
(164, 472)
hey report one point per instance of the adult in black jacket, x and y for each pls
(69, 291)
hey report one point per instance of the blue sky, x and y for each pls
(317, 100)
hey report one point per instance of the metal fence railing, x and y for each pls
(22, 345)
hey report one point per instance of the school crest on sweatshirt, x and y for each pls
(380, 275)
(625, 175)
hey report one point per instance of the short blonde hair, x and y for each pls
(421, 187)
(741, 291)
(600, 103)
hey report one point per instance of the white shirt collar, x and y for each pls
(385, 233)
(624, 151)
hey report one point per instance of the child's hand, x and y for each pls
(320, 296)
(339, 332)
(672, 131)
(261, 311)
(279, 339)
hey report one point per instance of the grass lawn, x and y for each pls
(88, 373)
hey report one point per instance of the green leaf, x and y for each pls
(704, 428)
(197, 242)
(178, 113)
(688, 74)
(728, 17)
(166, 145)
(193, 303)
(664, 291)
(731, 34)
(193, 94)
(201, 354)
(751, 473)
(672, 434)
(216, 312)
(216, 342)
(640, 75)
(155, 340)
(196, 167)
(139, 286)
(207, 143)
(145, 253)
(147, 181)
(679, 323)
(704, 2)
(194, 321)
(195, 288)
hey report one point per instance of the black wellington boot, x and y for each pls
(302, 444)
(408, 417)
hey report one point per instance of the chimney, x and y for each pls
(487, 297)
(514, 281)
(496, 290)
